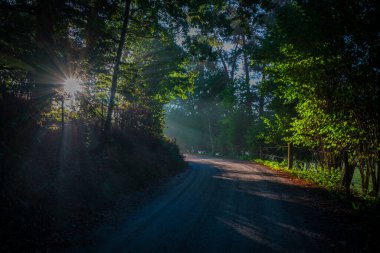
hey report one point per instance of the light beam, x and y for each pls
(71, 85)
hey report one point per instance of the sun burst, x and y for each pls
(72, 85)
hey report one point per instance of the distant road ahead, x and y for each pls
(223, 205)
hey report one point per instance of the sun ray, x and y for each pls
(71, 85)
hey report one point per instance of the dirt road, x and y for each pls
(220, 206)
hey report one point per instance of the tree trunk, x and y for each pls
(233, 64)
(261, 105)
(367, 170)
(374, 176)
(362, 176)
(376, 188)
(348, 173)
(290, 155)
(245, 59)
(249, 99)
(223, 63)
(230, 74)
(116, 69)
(211, 138)
(261, 101)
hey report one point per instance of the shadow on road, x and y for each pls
(230, 206)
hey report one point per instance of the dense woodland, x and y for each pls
(88, 89)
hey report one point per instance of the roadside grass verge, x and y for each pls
(330, 181)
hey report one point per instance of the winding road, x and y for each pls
(221, 205)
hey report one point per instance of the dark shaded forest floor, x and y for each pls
(58, 188)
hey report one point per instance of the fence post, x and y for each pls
(290, 155)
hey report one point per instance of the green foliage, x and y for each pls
(325, 68)
(275, 129)
(329, 179)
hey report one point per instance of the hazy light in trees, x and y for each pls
(71, 85)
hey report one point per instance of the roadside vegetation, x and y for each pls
(329, 179)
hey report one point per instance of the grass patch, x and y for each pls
(328, 179)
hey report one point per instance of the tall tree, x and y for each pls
(116, 69)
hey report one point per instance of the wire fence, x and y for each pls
(302, 158)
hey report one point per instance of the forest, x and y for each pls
(274, 73)
(101, 98)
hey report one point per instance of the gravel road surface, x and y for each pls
(221, 205)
